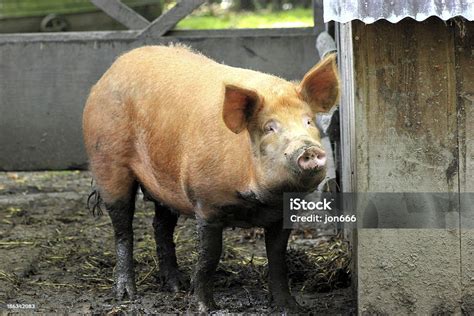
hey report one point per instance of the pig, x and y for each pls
(206, 140)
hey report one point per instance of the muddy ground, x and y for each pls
(56, 255)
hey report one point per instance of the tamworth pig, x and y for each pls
(206, 140)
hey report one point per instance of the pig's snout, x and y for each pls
(312, 158)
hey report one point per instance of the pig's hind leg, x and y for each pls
(164, 224)
(119, 200)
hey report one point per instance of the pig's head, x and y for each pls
(285, 141)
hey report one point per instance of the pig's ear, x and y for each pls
(239, 105)
(320, 86)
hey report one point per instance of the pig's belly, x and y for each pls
(161, 188)
(247, 217)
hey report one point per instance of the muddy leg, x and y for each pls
(210, 249)
(121, 213)
(276, 241)
(164, 223)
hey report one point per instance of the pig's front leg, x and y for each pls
(276, 241)
(210, 249)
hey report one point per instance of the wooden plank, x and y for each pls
(406, 107)
(122, 13)
(465, 95)
(464, 31)
(347, 108)
(406, 141)
(318, 17)
(132, 35)
(297, 31)
(41, 8)
(169, 19)
(347, 118)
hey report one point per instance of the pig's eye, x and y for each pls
(270, 127)
(308, 121)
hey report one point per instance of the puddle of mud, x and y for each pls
(55, 255)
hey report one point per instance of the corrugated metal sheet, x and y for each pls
(369, 11)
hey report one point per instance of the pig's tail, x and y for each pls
(94, 201)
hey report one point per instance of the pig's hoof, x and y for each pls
(178, 282)
(175, 281)
(206, 307)
(125, 287)
(288, 305)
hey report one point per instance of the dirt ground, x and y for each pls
(56, 255)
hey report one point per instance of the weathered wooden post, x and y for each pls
(407, 126)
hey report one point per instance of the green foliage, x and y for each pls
(263, 19)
